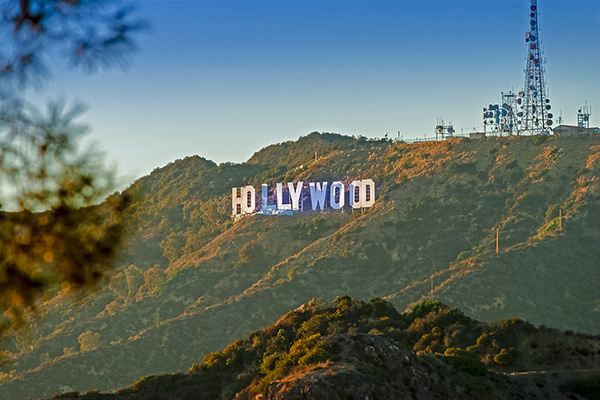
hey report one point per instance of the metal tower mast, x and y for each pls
(583, 116)
(534, 114)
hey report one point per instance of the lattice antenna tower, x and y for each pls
(501, 118)
(534, 111)
(442, 129)
(583, 116)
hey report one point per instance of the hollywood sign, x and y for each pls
(322, 195)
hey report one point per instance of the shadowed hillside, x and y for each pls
(190, 281)
(356, 350)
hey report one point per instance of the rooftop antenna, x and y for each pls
(502, 117)
(443, 129)
(560, 119)
(583, 116)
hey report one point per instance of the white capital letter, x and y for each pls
(235, 200)
(317, 195)
(336, 204)
(356, 194)
(248, 200)
(368, 195)
(295, 195)
(280, 205)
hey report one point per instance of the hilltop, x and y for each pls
(357, 350)
(190, 281)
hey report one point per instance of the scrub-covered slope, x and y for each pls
(355, 350)
(191, 281)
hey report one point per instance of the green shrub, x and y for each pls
(251, 253)
(422, 309)
(506, 356)
(466, 361)
(89, 341)
(268, 362)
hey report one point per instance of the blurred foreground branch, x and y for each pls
(54, 232)
(56, 235)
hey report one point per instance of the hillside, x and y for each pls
(190, 281)
(355, 350)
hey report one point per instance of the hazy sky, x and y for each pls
(222, 79)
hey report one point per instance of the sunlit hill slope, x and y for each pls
(189, 281)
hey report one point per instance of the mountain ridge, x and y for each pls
(186, 270)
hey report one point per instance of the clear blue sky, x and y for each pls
(222, 79)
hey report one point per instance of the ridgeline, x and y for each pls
(190, 281)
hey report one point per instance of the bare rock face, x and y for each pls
(369, 367)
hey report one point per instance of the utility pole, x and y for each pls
(497, 235)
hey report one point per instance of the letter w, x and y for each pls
(317, 195)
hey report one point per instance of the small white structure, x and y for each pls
(574, 130)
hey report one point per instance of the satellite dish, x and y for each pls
(521, 93)
(547, 100)
(504, 113)
(548, 106)
(533, 8)
(532, 15)
(550, 115)
(519, 114)
(505, 106)
(585, 118)
(527, 35)
(536, 123)
(518, 122)
(549, 122)
(532, 22)
(519, 101)
(485, 122)
(503, 120)
(532, 46)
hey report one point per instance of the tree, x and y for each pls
(153, 277)
(27, 339)
(251, 253)
(55, 236)
(89, 341)
(69, 351)
(135, 279)
(118, 284)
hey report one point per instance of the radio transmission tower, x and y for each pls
(534, 107)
